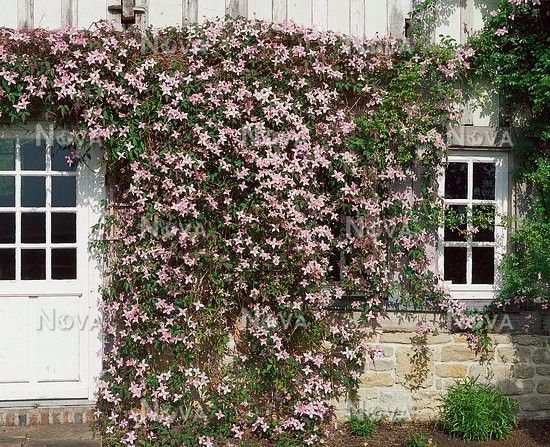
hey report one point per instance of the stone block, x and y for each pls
(543, 370)
(89, 416)
(454, 370)
(34, 419)
(385, 364)
(544, 386)
(396, 337)
(541, 356)
(438, 339)
(367, 402)
(373, 337)
(444, 384)
(513, 354)
(517, 387)
(528, 340)
(424, 415)
(404, 321)
(396, 395)
(460, 338)
(420, 376)
(376, 379)
(501, 339)
(490, 373)
(534, 403)
(426, 398)
(367, 394)
(395, 403)
(457, 353)
(523, 371)
(406, 338)
(56, 417)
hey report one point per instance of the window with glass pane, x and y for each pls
(7, 155)
(38, 214)
(471, 239)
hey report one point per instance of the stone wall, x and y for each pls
(519, 365)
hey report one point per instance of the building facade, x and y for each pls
(49, 281)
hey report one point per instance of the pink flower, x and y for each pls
(206, 441)
(501, 31)
(237, 432)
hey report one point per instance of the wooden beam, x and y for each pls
(280, 10)
(69, 13)
(357, 19)
(190, 11)
(25, 14)
(236, 8)
(319, 15)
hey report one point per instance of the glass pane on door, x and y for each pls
(483, 265)
(7, 264)
(33, 228)
(33, 264)
(7, 191)
(64, 191)
(63, 228)
(33, 192)
(33, 155)
(64, 263)
(7, 155)
(7, 228)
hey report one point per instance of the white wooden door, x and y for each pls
(49, 324)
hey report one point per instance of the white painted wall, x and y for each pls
(357, 17)
(361, 18)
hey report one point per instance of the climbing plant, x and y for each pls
(258, 175)
(513, 52)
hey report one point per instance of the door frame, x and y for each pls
(90, 180)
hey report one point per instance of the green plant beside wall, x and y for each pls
(477, 412)
(361, 425)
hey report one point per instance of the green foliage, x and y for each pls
(423, 18)
(513, 52)
(361, 424)
(527, 268)
(418, 440)
(477, 412)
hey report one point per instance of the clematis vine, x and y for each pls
(291, 176)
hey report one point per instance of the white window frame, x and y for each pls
(470, 291)
(68, 286)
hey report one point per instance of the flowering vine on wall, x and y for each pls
(240, 155)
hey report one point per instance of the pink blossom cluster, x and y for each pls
(249, 134)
